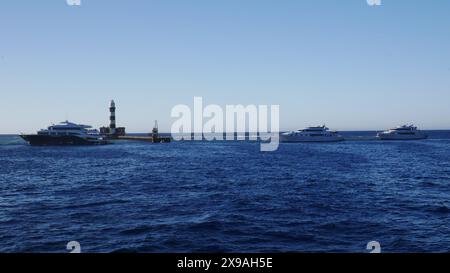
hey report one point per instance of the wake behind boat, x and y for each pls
(66, 133)
(405, 132)
(312, 134)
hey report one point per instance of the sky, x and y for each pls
(341, 63)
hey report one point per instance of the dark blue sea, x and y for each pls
(227, 196)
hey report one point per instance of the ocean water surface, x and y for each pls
(226, 196)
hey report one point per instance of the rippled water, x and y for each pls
(226, 196)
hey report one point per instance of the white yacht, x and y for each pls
(312, 134)
(65, 133)
(405, 132)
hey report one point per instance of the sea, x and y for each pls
(227, 196)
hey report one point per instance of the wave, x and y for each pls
(11, 140)
(144, 229)
(439, 209)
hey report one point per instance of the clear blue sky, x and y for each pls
(339, 62)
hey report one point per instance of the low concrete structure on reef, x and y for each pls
(154, 137)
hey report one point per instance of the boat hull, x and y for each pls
(45, 140)
(311, 139)
(401, 137)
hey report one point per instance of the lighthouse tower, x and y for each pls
(155, 133)
(112, 118)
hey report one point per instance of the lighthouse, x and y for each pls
(112, 118)
(112, 131)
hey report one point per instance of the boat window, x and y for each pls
(65, 128)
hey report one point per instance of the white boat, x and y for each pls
(405, 132)
(66, 133)
(311, 134)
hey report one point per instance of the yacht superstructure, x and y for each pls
(405, 132)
